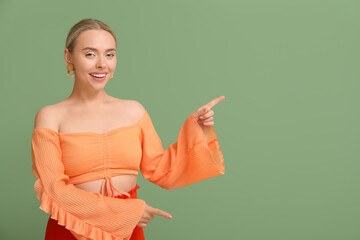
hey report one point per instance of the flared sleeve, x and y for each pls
(90, 215)
(194, 157)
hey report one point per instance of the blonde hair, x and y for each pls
(83, 25)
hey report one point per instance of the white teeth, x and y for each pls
(98, 75)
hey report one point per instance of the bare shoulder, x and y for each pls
(134, 108)
(48, 117)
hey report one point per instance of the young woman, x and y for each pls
(88, 148)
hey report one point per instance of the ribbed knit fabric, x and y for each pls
(54, 231)
(63, 159)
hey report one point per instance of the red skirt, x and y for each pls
(54, 231)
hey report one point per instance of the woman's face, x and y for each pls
(93, 57)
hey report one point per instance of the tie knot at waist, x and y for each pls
(110, 189)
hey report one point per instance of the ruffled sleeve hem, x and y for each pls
(75, 224)
(211, 143)
(199, 157)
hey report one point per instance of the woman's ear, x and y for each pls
(67, 56)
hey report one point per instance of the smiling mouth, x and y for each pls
(98, 75)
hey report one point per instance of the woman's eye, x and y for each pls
(89, 54)
(110, 55)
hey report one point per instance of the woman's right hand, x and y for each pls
(149, 213)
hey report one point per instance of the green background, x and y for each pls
(288, 127)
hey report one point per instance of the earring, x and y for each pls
(70, 68)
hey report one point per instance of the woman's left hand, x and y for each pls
(204, 114)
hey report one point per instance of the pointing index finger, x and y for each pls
(162, 213)
(215, 101)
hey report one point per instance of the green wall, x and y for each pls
(288, 127)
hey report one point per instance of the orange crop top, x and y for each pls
(63, 159)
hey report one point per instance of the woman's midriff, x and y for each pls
(121, 182)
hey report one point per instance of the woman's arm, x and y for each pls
(194, 157)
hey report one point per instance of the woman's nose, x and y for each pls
(100, 62)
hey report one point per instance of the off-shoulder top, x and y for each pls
(61, 160)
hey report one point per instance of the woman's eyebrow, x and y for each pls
(94, 49)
